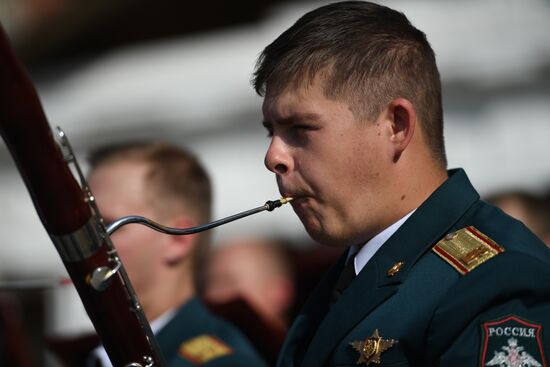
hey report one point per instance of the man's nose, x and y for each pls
(278, 159)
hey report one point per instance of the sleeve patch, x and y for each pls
(512, 341)
(466, 249)
(203, 348)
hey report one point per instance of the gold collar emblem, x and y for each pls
(395, 268)
(371, 348)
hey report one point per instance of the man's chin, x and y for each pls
(316, 229)
(324, 237)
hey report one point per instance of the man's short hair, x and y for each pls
(176, 178)
(175, 175)
(365, 54)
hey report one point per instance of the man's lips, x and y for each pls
(293, 195)
(297, 195)
(297, 198)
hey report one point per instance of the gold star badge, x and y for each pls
(371, 348)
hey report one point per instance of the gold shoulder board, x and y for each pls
(203, 348)
(466, 248)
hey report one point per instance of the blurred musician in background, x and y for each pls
(257, 273)
(256, 269)
(168, 185)
(533, 210)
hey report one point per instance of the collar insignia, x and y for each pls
(395, 269)
(371, 348)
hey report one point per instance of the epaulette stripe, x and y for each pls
(203, 348)
(485, 239)
(466, 249)
(458, 266)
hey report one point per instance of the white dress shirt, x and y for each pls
(374, 244)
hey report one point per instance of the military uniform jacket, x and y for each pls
(195, 337)
(436, 308)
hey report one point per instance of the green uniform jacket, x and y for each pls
(195, 337)
(428, 313)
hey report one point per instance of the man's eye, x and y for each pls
(269, 128)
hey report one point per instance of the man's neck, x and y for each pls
(419, 183)
(166, 297)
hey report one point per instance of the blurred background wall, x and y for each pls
(110, 70)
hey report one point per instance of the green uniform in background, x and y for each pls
(459, 284)
(195, 337)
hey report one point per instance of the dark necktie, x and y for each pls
(345, 278)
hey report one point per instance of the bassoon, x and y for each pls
(76, 232)
(73, 222)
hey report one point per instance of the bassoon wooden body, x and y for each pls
(73, 226)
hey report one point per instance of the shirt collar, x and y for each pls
(365, 253)
(162, 320)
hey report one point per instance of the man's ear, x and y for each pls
(402, 116)
(179, 247)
